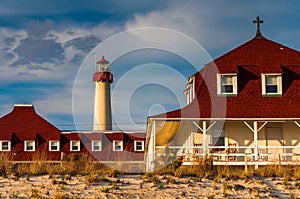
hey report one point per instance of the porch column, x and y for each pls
(255, 140)
(151, 149)
(154, 138)
(255, 131)
(204, 131)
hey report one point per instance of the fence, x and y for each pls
(235, 155)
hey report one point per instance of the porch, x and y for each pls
(237, 142)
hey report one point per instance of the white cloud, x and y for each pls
(57, 102)
(66, 35)
(217, 25)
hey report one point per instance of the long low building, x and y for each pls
(26, 136)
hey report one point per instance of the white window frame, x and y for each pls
(264, 84)
(29, 141)
(135, 145)
(114, 145)
(1, 145)
(190, 90)
(93, 145)
(71, 145)
(54, 141)
(220, 84)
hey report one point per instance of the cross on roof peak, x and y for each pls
(258, 22)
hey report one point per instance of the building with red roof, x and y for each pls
(25, 136)
(243, 104)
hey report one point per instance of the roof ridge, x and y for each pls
(236, 48)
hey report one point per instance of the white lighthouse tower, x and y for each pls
(102, 106)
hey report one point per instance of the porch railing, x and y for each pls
(235, 155)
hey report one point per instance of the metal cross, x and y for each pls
(258, 22)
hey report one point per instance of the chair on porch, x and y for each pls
(262, 155)
(198, 150)
(232, 150)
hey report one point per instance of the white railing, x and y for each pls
(236, 155)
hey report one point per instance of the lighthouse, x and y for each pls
(102, 105)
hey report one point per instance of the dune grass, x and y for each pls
(80, 164)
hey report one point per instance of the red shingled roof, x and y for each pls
(249, 61)
(25, 123)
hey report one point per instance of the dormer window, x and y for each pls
(271, 84)
(190, 90)
(117, 145)
(227, 84)
(74, 145)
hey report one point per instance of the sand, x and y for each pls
(137, 186)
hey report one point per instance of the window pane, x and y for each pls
(29, 145)
(271, 89)
(271, 80)
(226, 79)
(75, 146)
(118, 145)
(227, 84)
(5, 146)
(96, 145)
(227, 89)
(139, 146)
(219, 141)
(54, 145)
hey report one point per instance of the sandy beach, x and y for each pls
(139, 186)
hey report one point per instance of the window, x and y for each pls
(96, 145)
(190, 90)
(218, 136)
(118, 145)
(53, 145)
(271, 84)
(139, 145)
(29, 146)
(227, 84)
(4, 145)
(75, 145)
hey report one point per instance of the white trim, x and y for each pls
(93, 144)
(264, 84)
(29, 141)
(54, 141)
(71, 146)
(1, 145)
(114, 145)
(23, 105)
(297, 123)
(135, 145)
(213, 123)
(190, 90)
(234, 84)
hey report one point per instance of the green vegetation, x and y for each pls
(94, 172)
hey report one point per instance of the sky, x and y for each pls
(48, 50)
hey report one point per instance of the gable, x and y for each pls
(25, 123)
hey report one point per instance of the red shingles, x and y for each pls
(249, 61)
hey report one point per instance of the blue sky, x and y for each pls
(44, 43)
